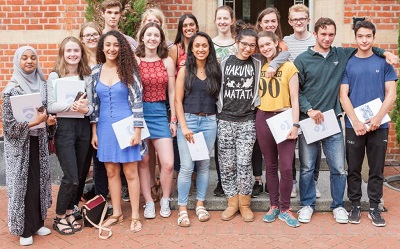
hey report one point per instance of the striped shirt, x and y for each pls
(296, 46)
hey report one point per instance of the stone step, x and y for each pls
(261, 203)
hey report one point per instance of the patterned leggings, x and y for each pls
(235, 146)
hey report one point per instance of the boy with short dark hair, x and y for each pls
(366, 78)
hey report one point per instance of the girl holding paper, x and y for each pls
(278, 94)
(196, 91)
(117, 95)
(157, 71)
(72, 139)
(26, 151)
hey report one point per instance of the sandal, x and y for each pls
(62, 231)
(136, 225)
(183, 219)
(112, 220)
(202, 214)
(74, 224)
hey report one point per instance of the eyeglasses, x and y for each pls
(247, 45)
(301, 20)
(88, 36)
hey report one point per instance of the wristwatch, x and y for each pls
(309, 110)
(296, 125)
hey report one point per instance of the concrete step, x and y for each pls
(262, 202)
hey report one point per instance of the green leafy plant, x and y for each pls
(130, 17)
(396, 110)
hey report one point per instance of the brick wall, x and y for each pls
(385, 15)
(173, 10)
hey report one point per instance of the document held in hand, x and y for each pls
(65, 91)
(313, 132)
(124, 131)
(369, 110)
(280, 125)
(24, 108)
(198, 150)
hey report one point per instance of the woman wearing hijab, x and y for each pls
(26, 151)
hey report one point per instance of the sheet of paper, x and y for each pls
(280, 125)
(198, 150)
(66, 90)
(313, 132)
(369, 110)
(124, 130)
(24, 108)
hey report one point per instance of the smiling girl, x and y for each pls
(157, 71)
(72, 139)
(277, 94)
(269, 20)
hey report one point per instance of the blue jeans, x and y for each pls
(333, 147)
(207, 125)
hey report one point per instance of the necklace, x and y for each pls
(201, 70)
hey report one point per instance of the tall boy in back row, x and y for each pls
(366, 78)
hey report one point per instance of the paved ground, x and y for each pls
(322, 232)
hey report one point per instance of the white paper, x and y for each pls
(124, 131)
(66, 90)
(198, 150)
(24, 108)
(369, 110)
(313, 132)
(280, 125)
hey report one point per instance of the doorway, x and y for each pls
(248, 10)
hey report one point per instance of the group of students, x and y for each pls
(224, 87)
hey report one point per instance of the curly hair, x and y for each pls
(213, 69)
(126, 64)
(60, 67)
(162, 50)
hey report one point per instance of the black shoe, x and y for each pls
(218, 191)
(125, 194)
(257, 189)
(375, 215)
(354, 215)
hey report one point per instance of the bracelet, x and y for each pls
(173, 119)
(296, 125)
(173, 122)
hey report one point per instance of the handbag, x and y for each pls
(52, 146)
(93, 213)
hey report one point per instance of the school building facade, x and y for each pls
(43, 24)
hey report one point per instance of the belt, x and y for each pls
(202, 114)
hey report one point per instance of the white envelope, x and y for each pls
(369, 110)
(24, 108)
(66, 90)
(313, 132)
(124, 130)
(280, 125)
(198, 150)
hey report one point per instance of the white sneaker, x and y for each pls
(43, 231)
(317, 193)
(294, 191)
(341, 215)
(305, 214)
(149, 210)
(165, 210)
(25, 241)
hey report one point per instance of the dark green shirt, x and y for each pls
(320, 78)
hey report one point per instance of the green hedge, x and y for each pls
(131, 14)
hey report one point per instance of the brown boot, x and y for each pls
(244, 207)
(233, 208)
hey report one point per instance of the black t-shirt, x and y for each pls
(238, 90)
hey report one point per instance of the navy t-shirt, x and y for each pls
(366, 78)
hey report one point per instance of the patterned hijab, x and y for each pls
(30, 83)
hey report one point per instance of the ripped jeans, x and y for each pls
(333, 147)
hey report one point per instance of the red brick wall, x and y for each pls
(385, 15)
(173, 10)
